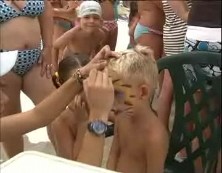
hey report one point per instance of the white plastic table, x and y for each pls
(37, 162)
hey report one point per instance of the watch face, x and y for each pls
(98, 127)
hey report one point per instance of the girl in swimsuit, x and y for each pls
(110, 17)
(24, 25)
(148, 31)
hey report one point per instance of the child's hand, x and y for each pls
(99, 92)
(45, 62)
(79, 107)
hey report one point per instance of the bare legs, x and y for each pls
(111, 38)
(12, 90)
(35, 87)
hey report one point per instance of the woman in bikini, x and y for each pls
(149, 29)
(24, 25)
(110, 16)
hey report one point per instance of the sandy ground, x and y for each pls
(38, 140)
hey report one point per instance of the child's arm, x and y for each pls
(63, 136)
(114, 152)
(74, 4)
(99, 93)
(63, 40)
(65, 13)
(44, 113)
(52, 106)
(180, 8)
(102, 37)
(156, 152)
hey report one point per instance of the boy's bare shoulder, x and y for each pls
(157, 134)
(101, 34)
(76, 30)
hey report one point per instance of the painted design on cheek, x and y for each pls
(116, 80)
(128, 103)
(126, 85)
(126, 89)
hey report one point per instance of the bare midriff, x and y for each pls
(151, 15)
(107, 10)
(20, 33)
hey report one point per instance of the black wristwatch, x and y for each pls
(97, 127)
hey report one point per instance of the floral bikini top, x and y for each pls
(32, 8)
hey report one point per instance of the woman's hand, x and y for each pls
(46, 62)
(46, 26)
(78, 107)
(99, 92)
(99, 61)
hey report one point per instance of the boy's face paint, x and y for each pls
(123, 93)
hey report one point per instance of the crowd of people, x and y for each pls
(67, 65)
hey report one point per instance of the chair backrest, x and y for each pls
(197, 131)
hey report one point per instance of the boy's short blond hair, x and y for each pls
(137, 65)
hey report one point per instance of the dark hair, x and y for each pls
(67, 65)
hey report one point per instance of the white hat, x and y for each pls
(7, 61)
(89, 7)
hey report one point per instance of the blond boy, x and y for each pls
(140, 142)
(87, 37)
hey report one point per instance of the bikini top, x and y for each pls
(32, 8)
